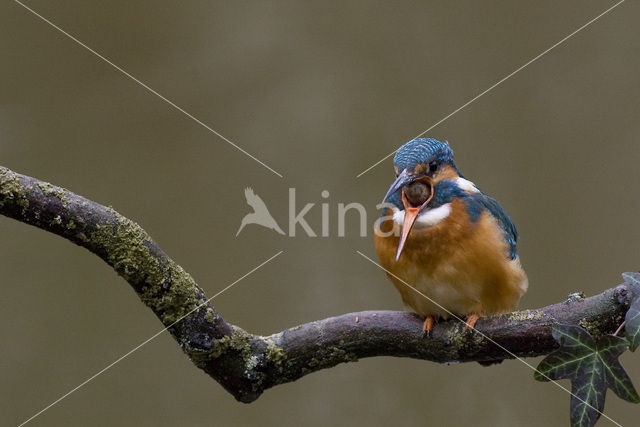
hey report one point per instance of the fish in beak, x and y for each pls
(417, 192)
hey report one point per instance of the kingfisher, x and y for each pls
(447, 239)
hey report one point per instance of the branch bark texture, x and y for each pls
(246, 364)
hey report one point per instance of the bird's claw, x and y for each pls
(427, 326)
(471, 321)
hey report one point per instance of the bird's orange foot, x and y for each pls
(427, 326)
(471, 320)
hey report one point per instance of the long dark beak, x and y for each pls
(410, 215)
(410, 212)
(403, 179)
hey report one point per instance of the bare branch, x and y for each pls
(246, 364)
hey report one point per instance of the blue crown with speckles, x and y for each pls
(423, 150)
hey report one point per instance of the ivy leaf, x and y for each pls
(632, 318)
(632, 324)
(632, 278)
(592, 366)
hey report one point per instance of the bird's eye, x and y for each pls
(433, 166)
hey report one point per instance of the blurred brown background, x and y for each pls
(319, 91)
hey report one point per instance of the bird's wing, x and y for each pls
(249, 194)
(254, 200)
(497, 211)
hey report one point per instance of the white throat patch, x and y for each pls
(428, 218)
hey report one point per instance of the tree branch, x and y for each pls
(246, 364)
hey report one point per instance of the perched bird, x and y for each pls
(447, 239)
(260, 214)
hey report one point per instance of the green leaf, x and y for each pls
(632, 318)
(592, 366)
(609, 349)
(631, 278)
(575, 346)
(632, 324)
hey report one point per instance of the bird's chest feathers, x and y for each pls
(454, 262)
(435, 237)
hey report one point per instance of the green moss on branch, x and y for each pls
(247, 364)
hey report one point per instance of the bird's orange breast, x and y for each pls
(460, 266)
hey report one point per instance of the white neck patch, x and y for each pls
(427, 218)
(467, 185)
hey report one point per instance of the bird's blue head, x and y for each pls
(423, 167)
(417, 159)
(423, 155)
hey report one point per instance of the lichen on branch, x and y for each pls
(246, 364)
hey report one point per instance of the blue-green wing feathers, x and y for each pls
(481, 201)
